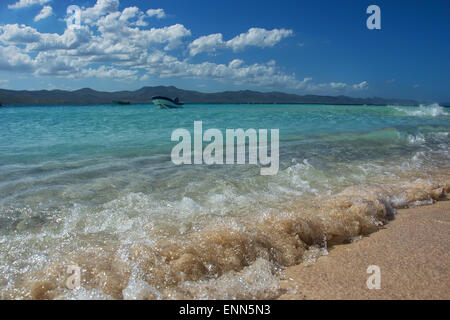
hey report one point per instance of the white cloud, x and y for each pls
(129, 13)
(259, 37)
(27, 3)
(208, 43)
(115, 29)
(46, 12)
(258, 74)
(337, 87)
(14, 34)
(52, 63)
(360, 86)
(263, 75)
(101, 8)
(12, 59)
(69, 40)
(256, 37)
(158, 13)
(117, 45)
(236, 63)
(171, 35)
(35, 41)
(112, 73)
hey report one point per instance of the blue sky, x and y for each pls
(303, 47)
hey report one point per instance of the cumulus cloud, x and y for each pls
(259, 37)
(101, 8)
(129, 13)
(208, 43)
(35, 41)
(158, 13)
(117, 44)
(257, 74)
(115, 28)
(53, 64)
(256, 37)
(12, 59)
(27, 3)
(18, 34)
(171, 35)
(111, 73)
(46, 12)
(69, 40)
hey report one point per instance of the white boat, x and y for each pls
(166, 103)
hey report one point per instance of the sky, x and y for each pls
(303, 47)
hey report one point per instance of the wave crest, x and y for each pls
(233, 258)
(432, 110)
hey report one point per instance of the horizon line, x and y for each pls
(231, 91)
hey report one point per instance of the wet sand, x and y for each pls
(412, 251)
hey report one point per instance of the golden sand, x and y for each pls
(413, 253)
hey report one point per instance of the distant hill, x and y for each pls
(144, 95)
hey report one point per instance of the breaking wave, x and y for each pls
(432, 110)
(232, 258)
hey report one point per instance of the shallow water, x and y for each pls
(94, 186)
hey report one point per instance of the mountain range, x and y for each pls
(144, 95)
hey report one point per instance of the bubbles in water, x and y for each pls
(433, 110)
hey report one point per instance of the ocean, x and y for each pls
(94, 187)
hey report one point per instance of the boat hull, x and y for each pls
(121, 102)
(165, 103)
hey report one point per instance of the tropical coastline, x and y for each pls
(239, 150)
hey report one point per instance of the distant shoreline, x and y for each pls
(206, 103)
(88, 96)
(203, 103)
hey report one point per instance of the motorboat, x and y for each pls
(166, 103)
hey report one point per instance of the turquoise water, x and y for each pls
(68, 173)
(52, 149)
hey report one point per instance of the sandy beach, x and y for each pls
(412, 252)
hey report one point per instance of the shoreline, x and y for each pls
(412, 252)
(141, 103)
